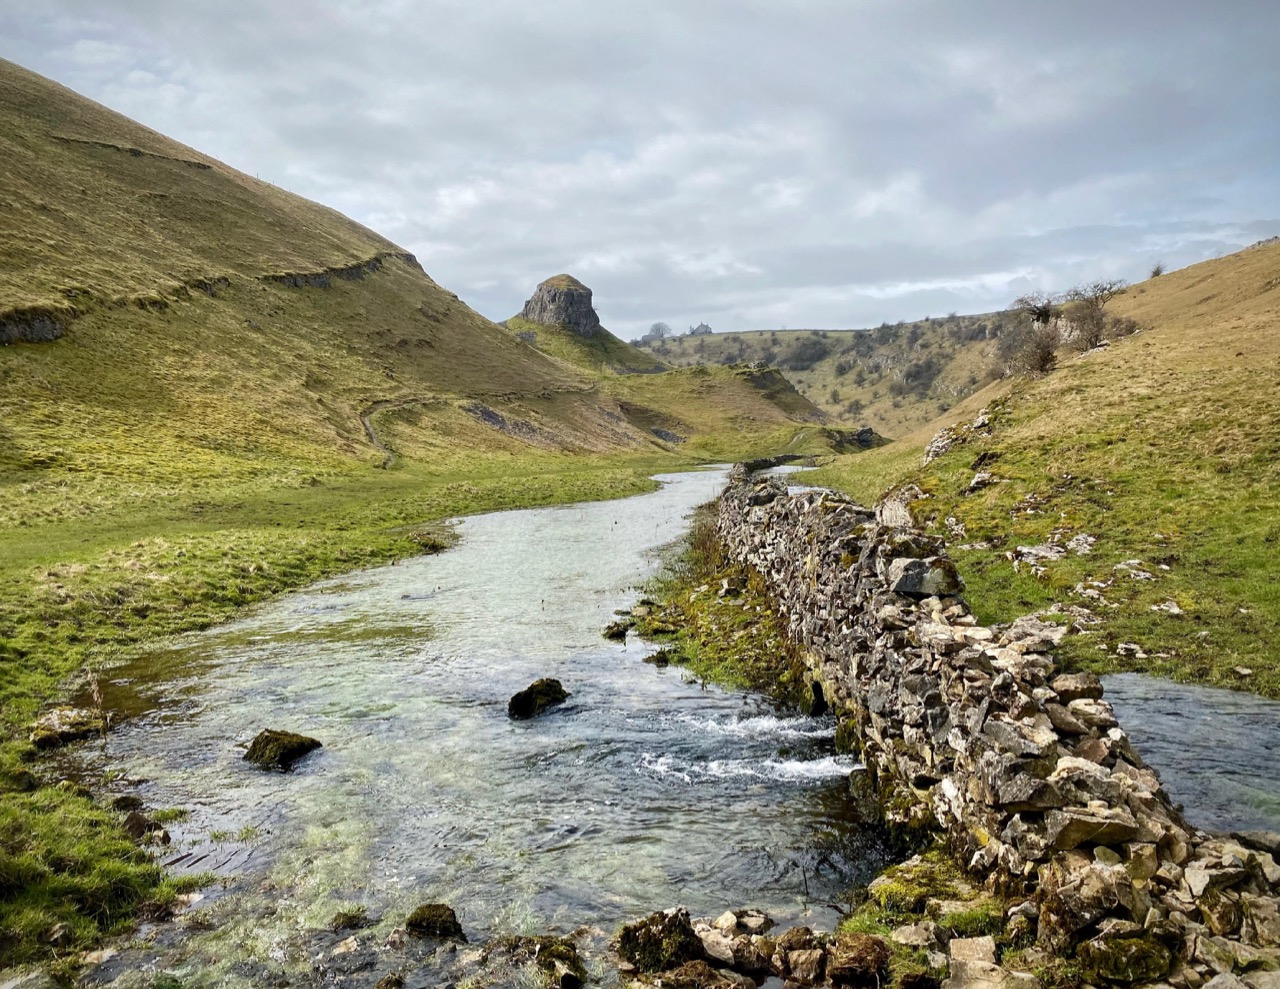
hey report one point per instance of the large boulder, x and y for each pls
(539, 696)
(563, 301)
(273, 749)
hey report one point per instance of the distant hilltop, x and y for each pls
(562, 300)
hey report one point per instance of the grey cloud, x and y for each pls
(747, 162)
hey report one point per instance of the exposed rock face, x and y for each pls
(32, 325)
(563, 301)
(969, 731)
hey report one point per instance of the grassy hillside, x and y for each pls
(213, 391)
(601, 351)
(895, 377)
(1164, 448)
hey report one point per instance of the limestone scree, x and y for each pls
(969, 730)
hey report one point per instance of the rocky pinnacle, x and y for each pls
(563, 301)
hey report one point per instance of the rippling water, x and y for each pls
(644, 791)
(1218, 751)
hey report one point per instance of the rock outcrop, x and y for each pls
(971, 732)
(563, 301)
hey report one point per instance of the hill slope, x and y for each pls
(895, 377)
(1163, 449)
(202, 379)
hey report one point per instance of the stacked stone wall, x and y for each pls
(972, 731)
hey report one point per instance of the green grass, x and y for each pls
(598, 352)
(1165, 448)
(736, 639)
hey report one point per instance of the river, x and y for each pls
(644, 791)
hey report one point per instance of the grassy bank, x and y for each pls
(715, 618)
(79, 593)
(1150, 470)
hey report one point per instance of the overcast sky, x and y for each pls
(750, 163)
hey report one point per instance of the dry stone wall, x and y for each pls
(972, 731)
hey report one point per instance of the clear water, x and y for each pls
(644, 791)
(1217, 751)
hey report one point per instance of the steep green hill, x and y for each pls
(1148, 470)
(211, 391)
(600, 351)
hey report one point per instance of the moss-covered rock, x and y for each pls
(538, 697)
(273, 749)
(434, 920)
(660, 941)
(617, 631)
(65, 724)
(1125, 959)
(858, 961)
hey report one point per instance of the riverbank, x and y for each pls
(82, 592)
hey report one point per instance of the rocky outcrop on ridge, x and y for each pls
(563, 301)
(972, 732)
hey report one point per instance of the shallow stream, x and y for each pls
(644, 791)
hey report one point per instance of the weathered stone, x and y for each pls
(273, 749)
(1072, 826)
(1225, 980)
(984, 975)
(934, 576)
(1092, 713)
(1137, 958)
(1076, 686)
(718, 946)
(972, 949)
(921, 935)
(65, 724)
(539, 696)
(806, 965)
(1028, 793)
(563, 301)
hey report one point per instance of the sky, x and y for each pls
(747, 163)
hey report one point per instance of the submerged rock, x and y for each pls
(435, 920)
(274, 749)
(660, 941)
(538, 697)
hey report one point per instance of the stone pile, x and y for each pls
(971, 731)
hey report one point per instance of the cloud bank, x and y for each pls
(803, 163)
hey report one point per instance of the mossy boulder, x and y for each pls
(435, 920)
(65, 724)
(556, 957)
(273, 749)
(859, 961)
(1140, 958)
(538, 697)
(660, 941)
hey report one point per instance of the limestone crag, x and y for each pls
(563, 301)
(971, 731)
